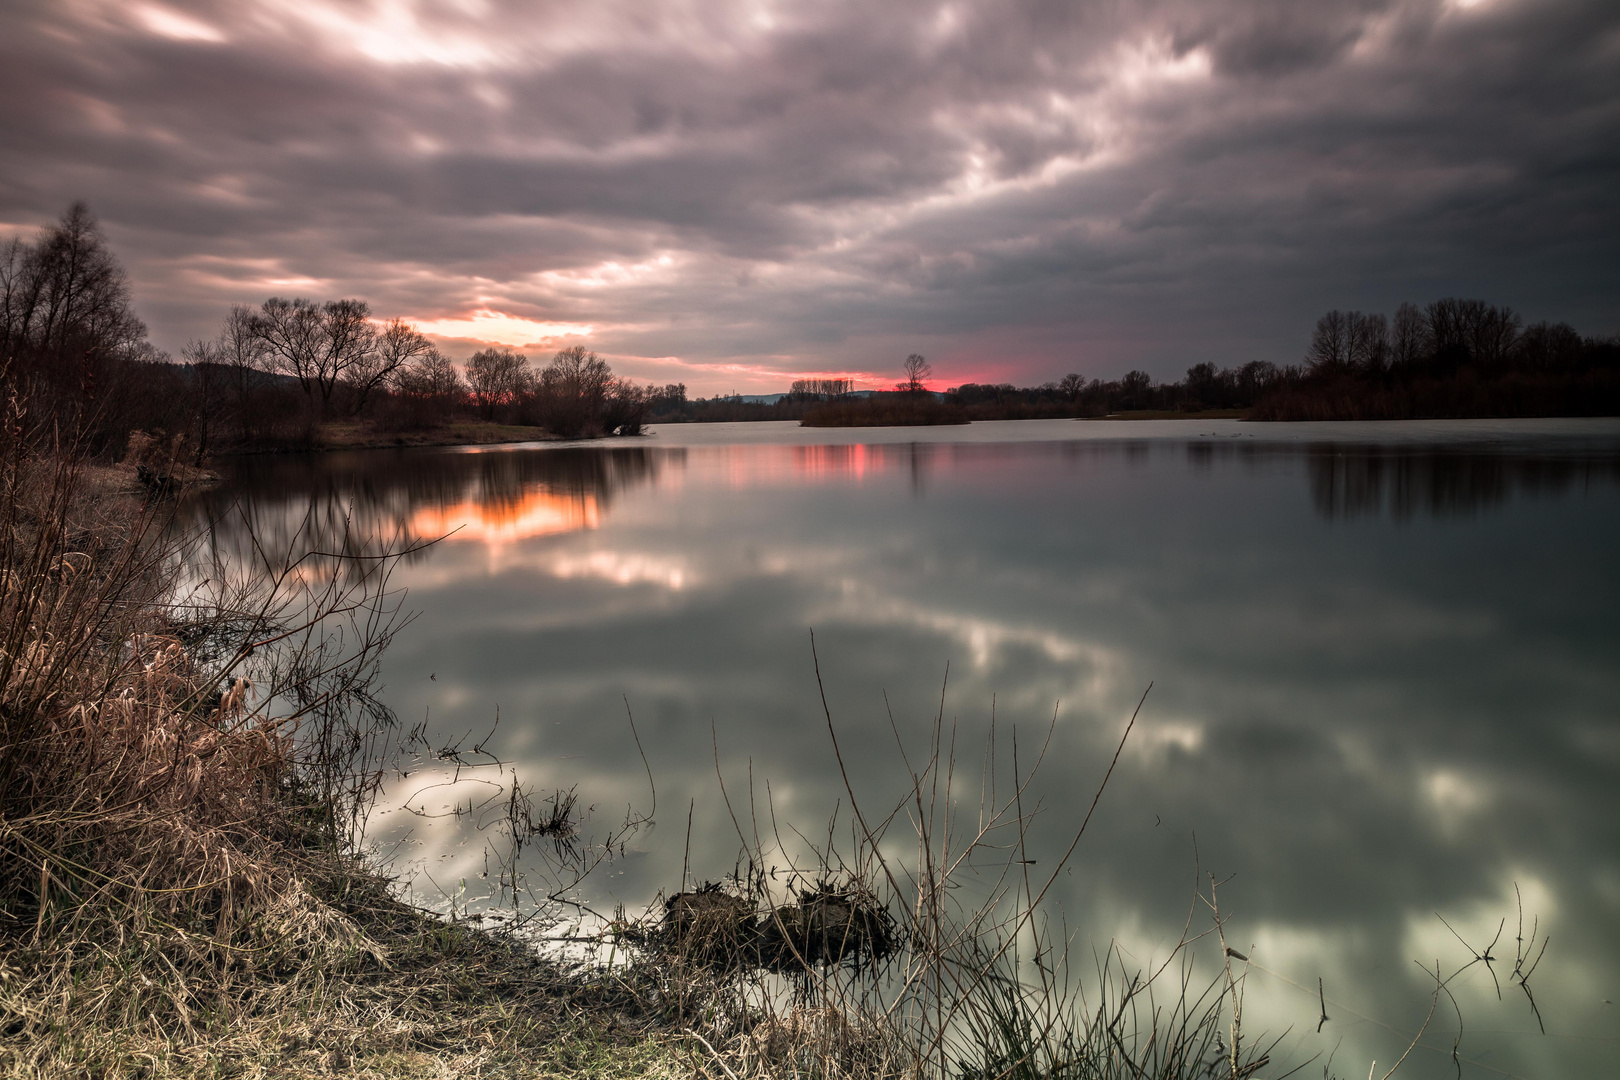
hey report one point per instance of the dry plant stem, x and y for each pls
(1434, 1001)
(1227, 953)
(949, 988)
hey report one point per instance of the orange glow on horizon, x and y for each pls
(499, 328)
(495, 522)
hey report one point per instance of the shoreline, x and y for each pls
(363, 437)
(480, 434)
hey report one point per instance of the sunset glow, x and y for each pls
(497, 522)
(727, 195)
(499, 328)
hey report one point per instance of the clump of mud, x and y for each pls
(824, 926)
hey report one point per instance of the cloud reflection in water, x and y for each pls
(1384, 676)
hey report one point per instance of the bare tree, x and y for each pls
(1134, 389)
(822, 388)
(1369, 342)
(70, 340)
(579, 373)
(1451, 324)
(495, 377)
(1255, 378)
(1545, 347)
(65, 312)
(332, 345)
(296, 342)
(1071, 385)
(209, 389)
(394, 346)
(917, 372)
(1409, 336)
(573, 391)
(1330, 345)
(239, 347)
(430, 375)
(1494, 335)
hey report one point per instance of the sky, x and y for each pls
(736, 193)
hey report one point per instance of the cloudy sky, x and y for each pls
(733, 193)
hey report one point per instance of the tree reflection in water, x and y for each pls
(363, 504)
(1363, 481)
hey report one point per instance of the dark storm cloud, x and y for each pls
(1020, 187)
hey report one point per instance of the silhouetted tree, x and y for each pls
(1329, 353)
(332, 345)
(1493, 334)
(917, 371)
(1203, 386)
(392, 348)
(496, 377)
(572, 392)
(427, 389)
(67, 331)
(1454, 358)
(1548, 347)
(1134, 390)
(1408, 336)
(1369, 342)
(822, 388)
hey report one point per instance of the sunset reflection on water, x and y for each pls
(500, 519)
(1382, 672)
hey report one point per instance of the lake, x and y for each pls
(1385, 668)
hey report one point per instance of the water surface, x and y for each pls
(1385, 662)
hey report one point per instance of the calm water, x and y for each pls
(1385, 662)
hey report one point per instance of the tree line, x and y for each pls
(77, 358)
(1449, 358)
(345, 364)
